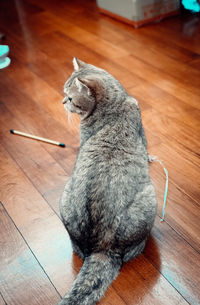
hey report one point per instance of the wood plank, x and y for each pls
(149, 286)
(172, 132)
(90, 10)
(183, 38)
(162, 62)
(182, 212)
(76, 35)
(19, 267)
(164, 84)
(37, 60)
(41, 123)
(83, 35)
(38, 224)
(168, 104)
(160, 41)
(66, 7)
(87, 54)
(163, 45)
(40, 91)
(178, 263)
(179, 168)
(39, 166)
(99, 45)
(9, 14)
(182, 120)
(163, 81)
(195, 63)
(93, 22)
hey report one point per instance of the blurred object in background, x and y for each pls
(137, 12)
(192, 6)
(190, 9)
(4, 60)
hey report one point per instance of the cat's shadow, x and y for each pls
(137, 277)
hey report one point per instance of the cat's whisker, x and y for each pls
(73, 120)
(69, 117)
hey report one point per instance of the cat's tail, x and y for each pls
(97, 273)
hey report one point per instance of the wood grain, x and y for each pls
(41, 123)
(159, 65)
(178, 261)
(19, 268)
(2, 302)
(182, 212)
(37, 224)
(39, 166)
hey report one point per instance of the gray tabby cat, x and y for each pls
(109, 205)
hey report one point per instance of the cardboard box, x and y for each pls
(139, 12)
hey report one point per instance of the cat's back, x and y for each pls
(117, 139)
(115, 153)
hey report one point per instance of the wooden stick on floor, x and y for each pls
(24, 134)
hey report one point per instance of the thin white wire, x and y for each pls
(152, 159)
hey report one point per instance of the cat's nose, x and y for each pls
(70, 99)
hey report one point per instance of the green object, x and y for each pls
(4, 50)
(4, 62)
(192, 5)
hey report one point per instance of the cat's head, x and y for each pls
(87, 87)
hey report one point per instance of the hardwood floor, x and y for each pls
(159, 65)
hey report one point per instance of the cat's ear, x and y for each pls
(82, 86)
(95, 86)
(78, 64)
